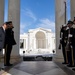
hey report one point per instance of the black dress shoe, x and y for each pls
(73, 69)
(64, 63)
(8, 64)
(71, 65)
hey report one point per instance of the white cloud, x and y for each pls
(29, 13)
(46, 23)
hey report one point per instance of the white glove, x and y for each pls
(70, 35)
(71, 46)
(67, 28)
(61, 33)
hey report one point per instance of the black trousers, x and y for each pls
(0, 49)
(8, 49)
(65, 56)
(71, 57)
(74, 53)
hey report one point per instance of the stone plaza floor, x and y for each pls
(38, 68)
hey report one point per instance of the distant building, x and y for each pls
(37, 41)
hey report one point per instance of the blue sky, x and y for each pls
(36, 13)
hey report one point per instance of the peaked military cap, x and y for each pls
(8, 22)
(70, 22)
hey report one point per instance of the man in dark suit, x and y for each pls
(9, 42)
(2, 35)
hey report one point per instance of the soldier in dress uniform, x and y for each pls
(63, 41)
(9, 42)
(71, 44)
(74, 37)
(74, 40)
